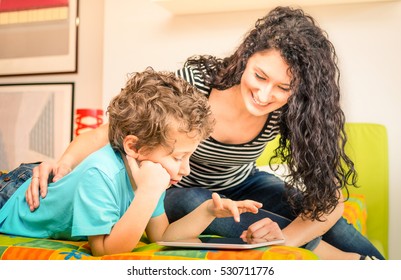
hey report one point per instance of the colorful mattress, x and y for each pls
(16, 247)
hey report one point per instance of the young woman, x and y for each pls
(282, 79)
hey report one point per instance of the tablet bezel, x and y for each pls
(223, 243)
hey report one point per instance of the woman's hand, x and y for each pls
(265, 229)
(42, 175)
(224, 207)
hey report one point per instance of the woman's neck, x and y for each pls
(234, 123)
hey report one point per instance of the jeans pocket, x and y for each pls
(10, 182)
(16, 177)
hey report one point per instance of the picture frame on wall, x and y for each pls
(38, 37)
(36, 122)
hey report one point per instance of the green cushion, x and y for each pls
(367, 146)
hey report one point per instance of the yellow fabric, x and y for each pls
(355, 212)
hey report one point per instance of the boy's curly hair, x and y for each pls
(151, 105)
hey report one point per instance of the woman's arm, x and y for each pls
(302, 230)
(82, 146)
(299, 232)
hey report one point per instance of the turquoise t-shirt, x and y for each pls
(88, 201)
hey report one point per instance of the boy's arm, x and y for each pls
(195, 222)
(127, 232)
(150, 182)
(189, 226)
(82, 146)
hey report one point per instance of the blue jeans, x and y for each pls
(10, 182)
(269, 190)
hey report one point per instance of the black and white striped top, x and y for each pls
(218, 166)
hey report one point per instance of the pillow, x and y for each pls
(355, 212)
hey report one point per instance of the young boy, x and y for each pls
(117, 193)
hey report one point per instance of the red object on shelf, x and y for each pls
(87, 119)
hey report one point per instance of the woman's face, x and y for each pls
(265, 83)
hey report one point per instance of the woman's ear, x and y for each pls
(130, 147)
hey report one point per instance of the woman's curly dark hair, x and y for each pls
(312, 122)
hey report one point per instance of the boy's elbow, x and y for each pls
(97, 249)
(95, 253)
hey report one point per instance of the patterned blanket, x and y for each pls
(25, 248)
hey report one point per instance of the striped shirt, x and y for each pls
(218, 166)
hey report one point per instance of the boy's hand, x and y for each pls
(149, 176)
(224, 207)
(264, 229)
(41, 177)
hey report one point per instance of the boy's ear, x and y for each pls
(129, 144)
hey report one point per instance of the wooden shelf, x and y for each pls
(184, 7)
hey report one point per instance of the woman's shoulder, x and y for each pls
(194, 75)
(189, 73)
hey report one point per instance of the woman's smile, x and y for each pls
(257, 101)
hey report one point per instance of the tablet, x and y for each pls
(219, 243)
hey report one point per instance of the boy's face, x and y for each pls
(176, 162)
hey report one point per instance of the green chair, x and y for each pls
(367, 146)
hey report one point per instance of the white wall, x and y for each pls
(367, 37)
